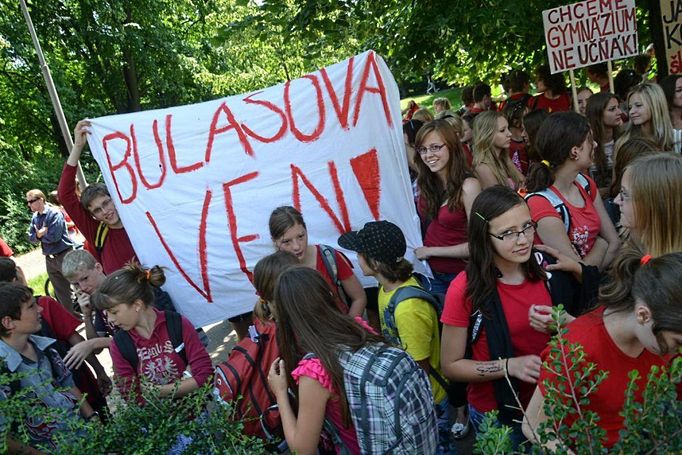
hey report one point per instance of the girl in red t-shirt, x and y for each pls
(502, 283)
(289, 233)
(565, 146)
(446, 192)
(639, 325)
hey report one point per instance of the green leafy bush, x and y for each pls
(154, 428)
(652, 426)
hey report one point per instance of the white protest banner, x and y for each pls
(590, 32)
(195, 185)
(671, 16)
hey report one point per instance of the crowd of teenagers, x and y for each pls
(523, 207)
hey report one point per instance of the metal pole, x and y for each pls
(52, 90)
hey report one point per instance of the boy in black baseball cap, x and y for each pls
(407, 313)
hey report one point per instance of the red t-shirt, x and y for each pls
(5, 250)
(344, 271)
(561, 104)
(467, 154)
(516, 302)
(585, 221)
(607, 401)
(62, 323)
(117, 248)
(447, 229)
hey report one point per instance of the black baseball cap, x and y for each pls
(382, 241)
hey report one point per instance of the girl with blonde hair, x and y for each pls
(492, 164)
(649, 116)
(650, 202)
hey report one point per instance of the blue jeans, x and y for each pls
(440, 282)
(517, 437)
(445, 445)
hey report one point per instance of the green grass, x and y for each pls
(37, 283)
(454, 95)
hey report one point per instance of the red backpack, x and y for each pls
(243, 381)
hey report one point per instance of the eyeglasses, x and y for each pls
(106, 204)
(31, 201)
(528, 231)
(433, 148)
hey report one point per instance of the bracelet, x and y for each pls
(506, 367)
(92, 416)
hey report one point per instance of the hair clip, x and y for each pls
(481, 217)
(149, 274)
(546, 163)
(645, 259)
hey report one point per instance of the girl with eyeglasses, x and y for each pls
(492, 163)
(650, 203)
(446, 191)
(502, 283)
(566, 204)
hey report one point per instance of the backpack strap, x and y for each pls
(329, 260)
(126, 347)
(174, 324)
(405, 293)
(101, 236)
(582, 181)
(556, 202)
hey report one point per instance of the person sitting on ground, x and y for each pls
(599, 74)
(95, 214)
(61, 325)
(411, 322)
(128, 298)
(43, 371)
(552, 94)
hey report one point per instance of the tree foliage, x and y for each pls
(117, 56)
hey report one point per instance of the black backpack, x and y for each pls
(129, 352)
